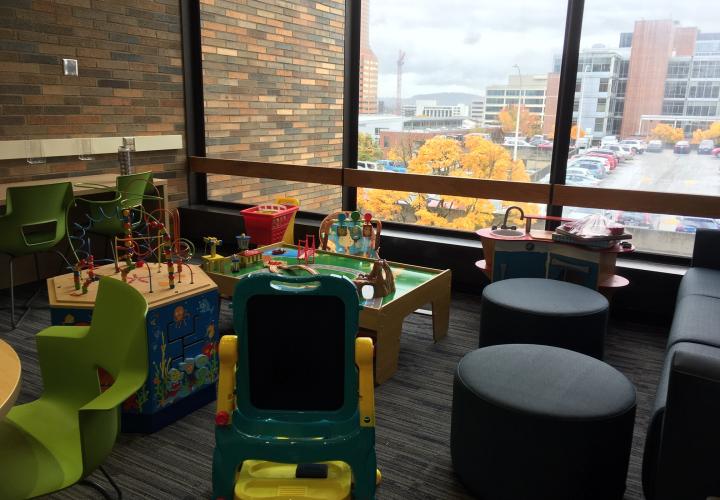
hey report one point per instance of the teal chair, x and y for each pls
(54, 442)
(106, 215)
(295, 386)
(34, 222)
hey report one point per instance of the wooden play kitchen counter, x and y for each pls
(182, 332)
(536, 255)
(381, 318)
(10, 371)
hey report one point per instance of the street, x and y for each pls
(667, 172)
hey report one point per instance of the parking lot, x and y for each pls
(667, 172)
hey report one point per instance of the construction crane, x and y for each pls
(398, 98)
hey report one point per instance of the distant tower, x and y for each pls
(398, 93)
(368, 65)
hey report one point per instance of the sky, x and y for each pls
(465, 45)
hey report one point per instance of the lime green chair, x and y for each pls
(34, 222)
(106, 215)
(295, 385)
(59, 439)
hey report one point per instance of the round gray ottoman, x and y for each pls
(543, 311)
(539, 422)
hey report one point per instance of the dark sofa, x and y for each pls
(682, 448)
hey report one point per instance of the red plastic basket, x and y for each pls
(266, 224)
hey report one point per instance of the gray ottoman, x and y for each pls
(543, 311)
(539, 422)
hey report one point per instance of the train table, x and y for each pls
(182, 331)
(380, 318)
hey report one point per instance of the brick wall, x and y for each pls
(273, 83)
(129, 83)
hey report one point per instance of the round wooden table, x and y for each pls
(10, 370)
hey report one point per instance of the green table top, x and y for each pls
(407, 278)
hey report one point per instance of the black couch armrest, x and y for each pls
(706, 252)
(689, 461)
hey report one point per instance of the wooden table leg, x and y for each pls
(387, 349)
(441, 317)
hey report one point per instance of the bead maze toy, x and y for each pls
(345, 233)
(183, 306)
(294, 407)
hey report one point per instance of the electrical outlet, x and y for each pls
(70, 67)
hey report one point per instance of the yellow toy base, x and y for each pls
(261, 480)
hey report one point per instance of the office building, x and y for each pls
(528, 89)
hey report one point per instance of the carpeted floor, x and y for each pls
(413, 412)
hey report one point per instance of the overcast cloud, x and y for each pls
(465, 45)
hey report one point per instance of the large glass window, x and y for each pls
(669, 97)
(431, 57)
(273, 88)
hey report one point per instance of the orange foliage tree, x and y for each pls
(666, 133)
(712, 132)
(477, 158)
(574, 132)
(529, 123)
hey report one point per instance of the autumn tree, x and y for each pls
(403, 150)
(476, 158)
(666, 133)
(574, 133)
(437, 157)
(368, 149)
(529, 123)
(712, 132)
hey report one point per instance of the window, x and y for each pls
(663, 76)
(709, 90)
(269, 99)
(676, 89)
(678, 69)
(706, 69)
(601, 105)
(673, 108)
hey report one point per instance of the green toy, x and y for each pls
(59, 439)
(34, 222)
(295, 395)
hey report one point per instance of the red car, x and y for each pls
(610, 158)
(715, 152)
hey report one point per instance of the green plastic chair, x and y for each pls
(130, 191)
(295, 385)
(34, 222)
(59, 439)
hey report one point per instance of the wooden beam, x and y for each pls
(300, 173)
(638, 201)
(453, 186)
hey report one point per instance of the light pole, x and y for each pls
(578, 126)
(517, 115)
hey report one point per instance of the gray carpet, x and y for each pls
(413, 412)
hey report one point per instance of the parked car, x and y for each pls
(635, 145)
(583, 171)
(706, 147)
(596, 169)
(392, 166)
(692, 224)
(635, 219)
(610, 152)
(545, 145)
(368, 165)
(715, 152)
(625, 154)
(608, 139)
(510, 141)
(536, 140)
(682, 147)
(654, 146)
(582, 142)
(612, 160)
(579, 179)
